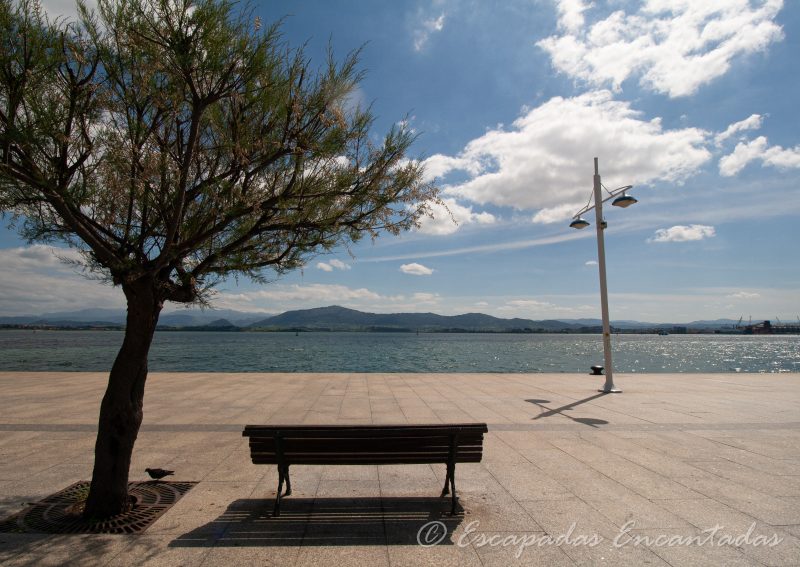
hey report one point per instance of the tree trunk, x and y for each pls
(121, 408)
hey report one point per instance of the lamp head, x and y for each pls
(579, 223)
(624, 201)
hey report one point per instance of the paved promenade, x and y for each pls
(678, 470)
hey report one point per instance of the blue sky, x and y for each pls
(694, 103)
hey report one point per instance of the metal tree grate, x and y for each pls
(57, 513)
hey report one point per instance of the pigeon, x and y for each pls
(158, 473)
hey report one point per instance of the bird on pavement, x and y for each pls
(158, 474)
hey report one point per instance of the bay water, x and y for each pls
(182, 351)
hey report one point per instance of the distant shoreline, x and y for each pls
(335, 318)
(454, 330)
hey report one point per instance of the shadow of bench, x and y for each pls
(324, 522)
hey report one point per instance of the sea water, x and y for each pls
(181, 351)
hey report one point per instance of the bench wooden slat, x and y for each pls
(296, 455)
(377, 426)
(363, 460)
(441, 455)
(363, 431)
(312, 458)
(364, 445)
(441, 439)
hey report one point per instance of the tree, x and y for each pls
(176, 143)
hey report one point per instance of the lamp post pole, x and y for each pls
(623, 200)
(608, 387)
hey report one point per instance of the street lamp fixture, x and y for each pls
(621, 199)
(579, 223)
(624, 200)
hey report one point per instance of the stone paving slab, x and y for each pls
(680, 469)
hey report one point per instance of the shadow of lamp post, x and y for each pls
(621, 199)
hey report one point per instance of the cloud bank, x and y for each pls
(759, 150)
(673, 46)
(35, 280)
(753, 122)
(448, 217)
(545, 159)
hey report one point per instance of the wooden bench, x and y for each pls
(286, 445)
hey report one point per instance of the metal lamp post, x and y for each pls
(621, 199)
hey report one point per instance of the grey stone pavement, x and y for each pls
(680, 469)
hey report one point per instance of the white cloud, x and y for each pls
(744, 295)
(758, 150)
(426, 28)
(421, 298)
(753, 122)
(438, 165)
(354, 100)
(65, 8)
(681, 233)
(673, 46)
(528, 304)
(781, 158)
(555, 214)
(34, 280)
(331, 265)
(415, 269)
(570, 15)
(280, 297)
(546, 159)
(538, 309)
(591, 263)
(742, 154)
(277, 298)
(339, 265)
(447, 218)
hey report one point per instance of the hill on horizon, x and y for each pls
(335, 317)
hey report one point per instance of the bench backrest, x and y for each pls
(365, 444)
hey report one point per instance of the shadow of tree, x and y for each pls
(327, 522)
(34, 550)
(13, 504)
(61, 512)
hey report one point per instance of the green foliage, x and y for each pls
(180, 141)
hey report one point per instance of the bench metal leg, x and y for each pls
(451, 472)
(276, 510)
(288, 481)
(283, 474)
(453, 491)
(450, 487)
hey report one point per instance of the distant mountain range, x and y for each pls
(335, 318)
(116, 317)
